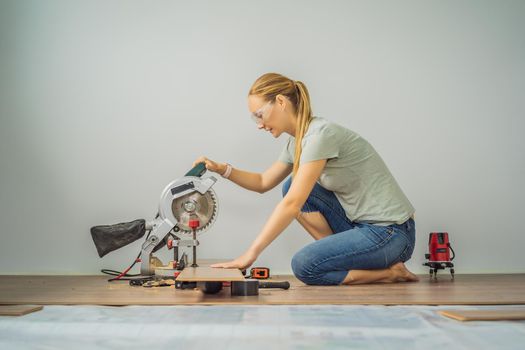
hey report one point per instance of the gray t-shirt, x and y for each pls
(354, 171)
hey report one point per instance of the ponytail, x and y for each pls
(304, 117)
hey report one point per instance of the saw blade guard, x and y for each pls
(188, 198)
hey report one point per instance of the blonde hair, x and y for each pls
(269, 85)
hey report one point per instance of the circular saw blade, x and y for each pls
(203, 206)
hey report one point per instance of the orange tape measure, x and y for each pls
(261, 273)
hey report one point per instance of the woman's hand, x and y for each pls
(211, 165)
(242, 262)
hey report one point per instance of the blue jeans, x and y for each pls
(353, 246)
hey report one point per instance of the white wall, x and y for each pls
(104, 102)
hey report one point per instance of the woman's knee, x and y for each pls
(300, 264)
(306, 270)
(309, 205)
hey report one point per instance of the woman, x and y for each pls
(340, 191)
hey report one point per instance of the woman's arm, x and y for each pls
(256, 182)
(261, 183)
(284, 213)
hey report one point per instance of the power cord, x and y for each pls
(121, 276)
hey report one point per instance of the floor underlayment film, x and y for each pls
(257, 327)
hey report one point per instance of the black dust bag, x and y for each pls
(108, 238)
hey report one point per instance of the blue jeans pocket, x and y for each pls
(379, 235)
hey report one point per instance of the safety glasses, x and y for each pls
(259, 115)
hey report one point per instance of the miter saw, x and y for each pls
(188, 207)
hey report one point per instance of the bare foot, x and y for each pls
(401, 273)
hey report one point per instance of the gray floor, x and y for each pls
(256, 327)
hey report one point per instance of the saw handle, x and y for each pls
(283, 285)
(198, 170)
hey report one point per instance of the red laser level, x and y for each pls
(439, 254)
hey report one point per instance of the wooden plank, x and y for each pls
(18, 310)
(484, 315)
(213, 274)
(466, 289)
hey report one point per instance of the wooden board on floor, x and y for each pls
(213, 274)
(483, 289)
(484, 315)
(18, 310)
